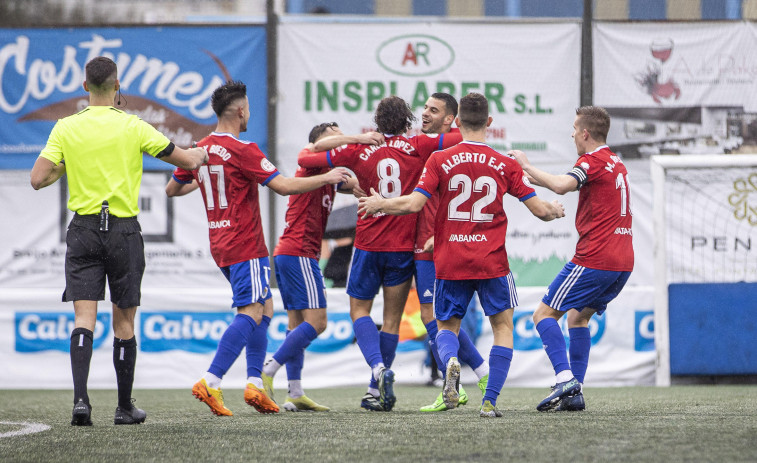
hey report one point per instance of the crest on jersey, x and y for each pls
(585, 165)
(266, 165)
(526, 181)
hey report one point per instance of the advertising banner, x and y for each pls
(529, 73)
(678, 88)
(710, 231)
(177, 334)
(41, 75)
(33, 237)
(169, 86)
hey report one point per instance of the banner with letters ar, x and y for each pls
(530, 73)
(169, 86)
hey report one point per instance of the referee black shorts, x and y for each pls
(91, 255)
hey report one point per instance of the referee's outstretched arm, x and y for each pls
(189, 159)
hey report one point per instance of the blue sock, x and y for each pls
(295, 364)
(236, 336)
(554, 344)
(388, 347)
(296, 342)
(468, 352)
(580, 345)
(367, 336)
(448, 346)
(499, 364)
(433, 330)
(257, 347)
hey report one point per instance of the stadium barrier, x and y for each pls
(178, 330)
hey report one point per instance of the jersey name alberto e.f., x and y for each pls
(471, 180)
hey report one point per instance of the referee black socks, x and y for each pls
(124, 359)
(81, 355)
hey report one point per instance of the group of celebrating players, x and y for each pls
(431, 211)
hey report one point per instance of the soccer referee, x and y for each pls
(100, 148)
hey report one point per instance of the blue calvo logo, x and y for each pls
(197, 332)
(41, 331)
(525, 336)
(644, 333)
(337, 336)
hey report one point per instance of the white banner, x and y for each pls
(340, 71)
(677, 88)
(178, 332)
(33, 249)
(711, 224)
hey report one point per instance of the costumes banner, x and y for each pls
(42, 70)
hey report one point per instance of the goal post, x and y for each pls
(705, 252)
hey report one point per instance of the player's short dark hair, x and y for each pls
(596, 121)
(101, 74)
(449, 101)
(393, 116)
(318, 131)
(226, 94)
(474, 111)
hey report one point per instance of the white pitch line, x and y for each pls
(28, 428)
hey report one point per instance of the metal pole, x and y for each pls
(587, 76)
(272, 90)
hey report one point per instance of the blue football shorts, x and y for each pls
(425, 276)
(577, 287)
(300, 282)
(372, 270)
(250, 281)
(451, 297)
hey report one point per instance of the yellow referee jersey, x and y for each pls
(102, 147)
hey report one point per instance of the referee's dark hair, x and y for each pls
(449, 101)
(226, 94)
(101, 74)
(474, 111)
(393, 116)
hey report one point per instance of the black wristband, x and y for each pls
(166, 151)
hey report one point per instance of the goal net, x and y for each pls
(705, 215)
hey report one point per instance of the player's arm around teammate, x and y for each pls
(463, 237)
(601, 265)
(300, 278)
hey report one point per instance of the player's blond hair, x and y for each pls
(595, 120)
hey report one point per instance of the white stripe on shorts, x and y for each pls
(309, 280)
(566, 286)
(257, 290)
(511, 290)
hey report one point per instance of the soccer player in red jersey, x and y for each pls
(298, 273)
(229, 184)
(384, 245)
(439, 114)
(604, 254)
(470, 180)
